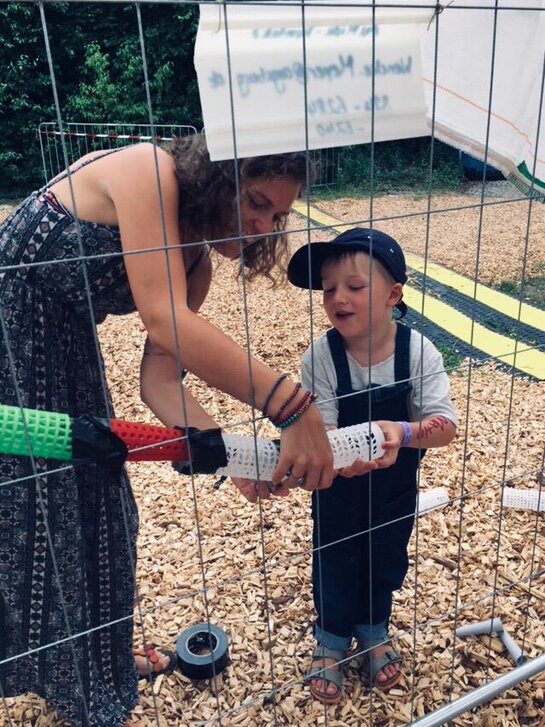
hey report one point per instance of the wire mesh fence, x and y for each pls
(81, 138)
(205, 555)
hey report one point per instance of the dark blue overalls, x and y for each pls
(350, 588)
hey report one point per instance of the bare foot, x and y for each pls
(323, 685)
(143, 667)
(388, 671)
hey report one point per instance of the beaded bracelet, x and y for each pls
(293, 418)
(273, 388)
(407, 434)
(293, 410)
(290, 398)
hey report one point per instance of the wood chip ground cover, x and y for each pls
(460, 555)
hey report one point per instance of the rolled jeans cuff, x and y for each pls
(371, 632)
(332, 641)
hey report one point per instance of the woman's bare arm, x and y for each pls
(162, 390)
(150, 236)
(157, 277)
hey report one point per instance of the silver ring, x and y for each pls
(300, 481)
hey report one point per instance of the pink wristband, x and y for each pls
(407, 434)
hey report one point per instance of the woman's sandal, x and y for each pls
(375, 664)
(330, 674)
(152, 655)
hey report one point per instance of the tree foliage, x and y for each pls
(98, 76)
(97, 72)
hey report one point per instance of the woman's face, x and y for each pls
(264, 205)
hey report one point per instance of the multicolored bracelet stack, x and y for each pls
(282, 419)
(293, 415)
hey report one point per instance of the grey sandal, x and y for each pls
(375, 664)
(330, 674)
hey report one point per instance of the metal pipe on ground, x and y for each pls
(482, 694)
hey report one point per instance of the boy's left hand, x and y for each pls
(393, 436)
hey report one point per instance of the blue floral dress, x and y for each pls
(67, 533)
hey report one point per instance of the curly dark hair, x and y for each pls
(208, 196)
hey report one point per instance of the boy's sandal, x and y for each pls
(329, 674)
(375, 664)
(152, 656)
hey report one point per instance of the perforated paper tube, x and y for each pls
(347, 444)
(524, 499)
(52, 435)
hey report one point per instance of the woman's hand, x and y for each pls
(252, 489)
(359, 467)
(305, 458)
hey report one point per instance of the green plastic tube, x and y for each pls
(47, 434)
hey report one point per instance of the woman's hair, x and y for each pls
(208, 196)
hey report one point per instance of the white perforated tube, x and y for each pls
(524, 499)
(347, 444)
(431, 499)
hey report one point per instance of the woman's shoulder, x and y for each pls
(144, 157)
(128, 167)
(141, 169)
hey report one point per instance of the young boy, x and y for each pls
(366, 368)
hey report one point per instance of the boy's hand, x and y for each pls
(393, 436)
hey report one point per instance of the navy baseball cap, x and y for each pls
(359, 239)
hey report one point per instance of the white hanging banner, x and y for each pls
(276, 79)
(490, 75)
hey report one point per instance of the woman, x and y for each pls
(123, 231)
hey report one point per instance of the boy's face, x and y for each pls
(356, 305)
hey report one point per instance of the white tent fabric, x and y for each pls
(289, 77)
(489, 79)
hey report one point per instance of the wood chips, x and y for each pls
(469, 561)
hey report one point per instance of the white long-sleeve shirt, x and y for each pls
(430, 393)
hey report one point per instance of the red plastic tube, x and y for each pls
(150, 442)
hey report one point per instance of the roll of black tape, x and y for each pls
(203, 651)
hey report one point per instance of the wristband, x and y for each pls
(407, 434)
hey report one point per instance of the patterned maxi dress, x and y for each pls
(67, 539)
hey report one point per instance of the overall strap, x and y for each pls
(340, 360)
(62, 175)
(402, 361)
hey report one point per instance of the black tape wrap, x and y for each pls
(214, 645)
(92, 439)
(207, 450)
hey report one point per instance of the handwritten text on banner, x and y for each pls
(274, 85)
